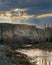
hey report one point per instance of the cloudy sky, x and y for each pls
(34, 12)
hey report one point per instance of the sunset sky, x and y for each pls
(34, 12)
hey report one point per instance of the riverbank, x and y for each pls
(9, 56)
(19, 57)
(43, 46)
(4, 60)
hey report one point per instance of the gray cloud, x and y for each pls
(41, 4)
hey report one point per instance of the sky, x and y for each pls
(33, 12)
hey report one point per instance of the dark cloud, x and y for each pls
(40, 4)
(34, 6)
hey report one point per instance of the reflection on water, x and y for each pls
(41, 57)
(44, 60)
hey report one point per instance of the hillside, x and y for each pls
(24, 34)
(17, 29)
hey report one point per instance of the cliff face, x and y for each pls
(24, 33)
(17, 29)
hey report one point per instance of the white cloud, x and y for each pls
(15, 15)
(44, 15)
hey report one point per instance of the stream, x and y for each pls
(34, 56)
(41, 57)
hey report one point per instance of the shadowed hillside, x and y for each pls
(21, 34)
